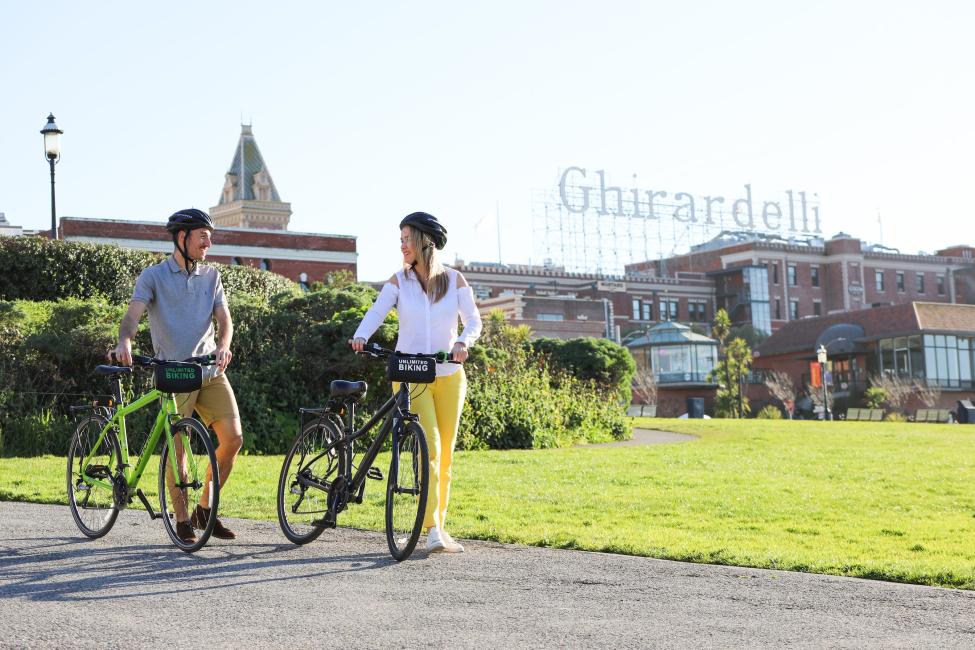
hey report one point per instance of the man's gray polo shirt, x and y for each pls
(181, 309)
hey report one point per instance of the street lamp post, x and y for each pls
(821, 357)
(52, 151)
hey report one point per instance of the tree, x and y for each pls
(780, 387)
(897, 389)
(929, 394)
(646, 384)
(735, 358)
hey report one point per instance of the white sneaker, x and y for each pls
(450, 545)
(435, 543)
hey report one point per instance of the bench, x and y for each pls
(864, 415)
(940, 416)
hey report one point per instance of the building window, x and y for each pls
(775, 272)
(900, 281)
(265, 264)
(668, 310)
(817, 308)
(879, 277)
(791, 270)
(642, 310)
(941, 285)
(554, 317)
(920, 282)
(778, 309)
(235, 261)
(303, 280)
(814, 275)
(794, 309)
(696, 312)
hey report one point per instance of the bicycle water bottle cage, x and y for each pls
(178, 377)
(353, 389)
(411, 368)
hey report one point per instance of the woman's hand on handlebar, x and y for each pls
(358, 344)
(459, 352)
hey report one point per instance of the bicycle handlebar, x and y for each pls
(376, 351)
(139, 360)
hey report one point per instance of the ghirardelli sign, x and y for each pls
(581, 192)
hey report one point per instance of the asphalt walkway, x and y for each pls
(133, 589)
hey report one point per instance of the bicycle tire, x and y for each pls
(407, 490)
(308, 524)
(101, 517)
(204, 472)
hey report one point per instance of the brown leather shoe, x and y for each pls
(185, 532)
(200, 517)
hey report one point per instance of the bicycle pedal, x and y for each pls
(374, 473)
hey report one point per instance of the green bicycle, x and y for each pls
(101, 480)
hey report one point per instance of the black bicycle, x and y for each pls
(319, 477)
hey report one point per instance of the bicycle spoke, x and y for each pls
(306, 476)
(92, 503)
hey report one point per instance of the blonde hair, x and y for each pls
(437, 279)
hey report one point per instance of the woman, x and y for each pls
(428, 298)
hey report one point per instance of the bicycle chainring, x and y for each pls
(338, 495)
(120, 491)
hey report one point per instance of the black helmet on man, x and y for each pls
(185, 221)
(427, 224)
(189, 219)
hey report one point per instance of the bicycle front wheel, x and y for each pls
(312, 463)
(196, 477)
(406, 490)
(92, 464)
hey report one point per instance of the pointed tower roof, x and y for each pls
(247, 164)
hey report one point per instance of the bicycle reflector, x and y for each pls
(179, 377)
(411, 369)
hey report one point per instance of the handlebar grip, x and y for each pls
(142, 361)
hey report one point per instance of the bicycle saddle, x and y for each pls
(113, 370)
(340, 388)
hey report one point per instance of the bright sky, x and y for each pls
(367, 111)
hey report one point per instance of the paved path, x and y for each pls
(131, 588)
(647, 437)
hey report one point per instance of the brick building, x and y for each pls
(933, 343)
(302, 257)
(251, 221)
(768, 281)
(630, 303)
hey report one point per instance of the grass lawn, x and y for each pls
(875, 500)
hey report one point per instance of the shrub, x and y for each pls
(35, 268)
(591, 359)
(874, 397)
(769, 412)
(893, 416)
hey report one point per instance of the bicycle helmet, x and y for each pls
(189, 219)
(185, 221)
(427, 224)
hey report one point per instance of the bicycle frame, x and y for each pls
(168, 412)
(396, 408)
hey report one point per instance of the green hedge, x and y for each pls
(34, 268)
(62, 303)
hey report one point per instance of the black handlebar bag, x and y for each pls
(179, 377)
(411, 369)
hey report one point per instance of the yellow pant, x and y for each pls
(439, 405)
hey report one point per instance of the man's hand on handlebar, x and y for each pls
(122, 354)
(358, 344)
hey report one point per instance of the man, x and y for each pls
(183, 297)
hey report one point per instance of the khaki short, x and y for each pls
(214, 402)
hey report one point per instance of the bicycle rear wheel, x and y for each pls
(180, 493)
(90, 492)
(406, 490)
(310, 467)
